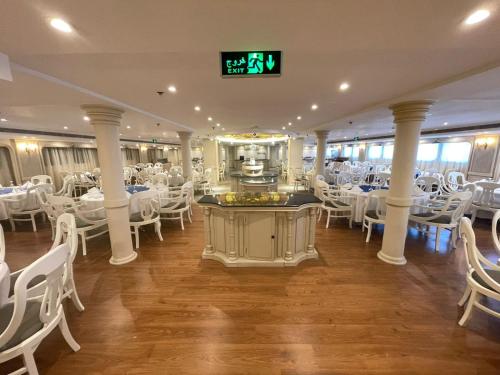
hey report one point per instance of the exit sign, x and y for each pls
(250, 63)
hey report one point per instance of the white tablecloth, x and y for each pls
(4, 283)
(15, 194)
(477, 195)
(360, 198)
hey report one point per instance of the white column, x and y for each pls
(106, 123)
(187, 159)
(321, 137)
(295, 157)
(408, 118)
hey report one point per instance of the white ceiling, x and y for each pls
(124, 51)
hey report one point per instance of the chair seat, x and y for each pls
(372, 214)
(30, 323)
(172, 204)
(136, 218)
(445, 219)
(495, 275)
(80, 223)
(337, 204)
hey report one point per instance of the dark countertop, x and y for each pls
(260, 199)
(264, 174)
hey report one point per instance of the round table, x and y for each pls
(4, 283)
(9, 193)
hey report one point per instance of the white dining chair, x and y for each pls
(25, 322)
(429, 184)
(23, 208)
(495, 234)
(91, 221)
(66, 233)
(174, 205)
(149, 213)
(374, 210)
(445, 217)
(336, 203)
(2, 245)
(41, 179)
(68, 186)
(483, 277)
(487, 201)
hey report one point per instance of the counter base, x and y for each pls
(244, 262)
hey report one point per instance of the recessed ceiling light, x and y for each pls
(223, 128)
(210, 118)
(61, 25)
(121, 134)
(164, 134)
(197, 108)
(86, 118)
(289, 124)
(128, 126)
(177, 136)
(172, 88)
(137, 145)
(283, 128)
(3, 119)
(445, 123)
(478, 16)
(345, 137)
(217, 124)
(344, 86)
(314, 107)
(65, 128)
(299, 117)
(138, 136)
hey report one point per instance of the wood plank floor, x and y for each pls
(170, 312)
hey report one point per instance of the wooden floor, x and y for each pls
(169, 312)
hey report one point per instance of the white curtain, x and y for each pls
(68, 159)
(154, 154)
(6, 169)
(442, 166)
(130, 156)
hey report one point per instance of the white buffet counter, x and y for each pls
(260, 229)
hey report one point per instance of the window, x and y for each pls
(355, 152)
(456, 152)
(388, 151)
(347, 151)
(374, 152)
(428, 151)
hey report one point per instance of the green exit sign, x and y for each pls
(250, 63)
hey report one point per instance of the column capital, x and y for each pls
(322, 133)
(184, 134)
(412, 110)
(103, 114)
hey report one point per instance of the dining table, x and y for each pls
(16, 192)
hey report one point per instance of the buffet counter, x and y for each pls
(260, 229)
(266, 182)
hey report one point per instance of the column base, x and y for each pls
(118, 262)
(391, 260)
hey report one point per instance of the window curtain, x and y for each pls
(130, 156)
(444, 157)
(6, 168)
(154, 154)
(68, 159)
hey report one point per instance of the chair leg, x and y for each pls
(182, 221)
(438, 235)
(189, 217)
(350, 222)
(465, 296)
(84, 244)
(12, 225)
(158, 229)
(33, 222)
(328, 220)
(29, 362)
(136, 234)
(369, 234)
(319, 214)
(454, 235)
(473, 217)
(74, 295)
(63, 326)
(468, 310)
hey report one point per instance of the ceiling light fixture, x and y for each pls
(223, 128)
(3, 119)
(289, 124)
(197, 108)
(314, 107)
(172, 89)
(61, 25)
(128, 126)
(86, 118)
(65, 128)
(217, 124)
(210, 118)
(283, 128)
(299, 118)
(445, 123)
(478, 16)
(344, 86)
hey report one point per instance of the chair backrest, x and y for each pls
(66, 232)
(188, 189)
(41, 179)
(2, 245)
(475, 260)
(160, 178)
(487, 196)
(148, 203)
(379, 196)
(428, 184)
(52, 267)
(455, 206)
(454, 180)
(322, 189)
(42, 191)
(59, 204)
(68, 186)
